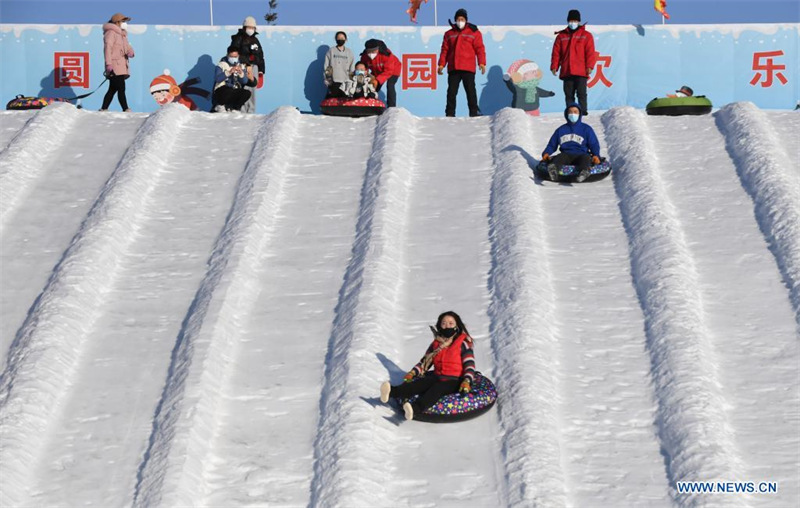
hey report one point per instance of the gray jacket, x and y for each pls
(339, 65)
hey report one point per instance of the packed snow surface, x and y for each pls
(197, 310)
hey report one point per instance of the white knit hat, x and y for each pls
(250, 21)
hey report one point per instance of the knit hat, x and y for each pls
(574, 15)
(165, 82)
(118, 17)
(250, 21)
(461, 12)
(686, 90)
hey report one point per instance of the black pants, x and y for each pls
(391, 95)
(581, 160)
(335, 90)
(453, 80)
(231, 98)
(573, 85)
(430, 389)
(116, 85)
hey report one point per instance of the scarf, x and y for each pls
(444, 343)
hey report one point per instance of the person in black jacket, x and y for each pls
(251, 54)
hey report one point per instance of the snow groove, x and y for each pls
(696, 436)
(349, 439)
(173, 471)
(44, 357)
(22, 161)
(524, 324)
(774, 188)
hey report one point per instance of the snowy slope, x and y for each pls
(197, 309)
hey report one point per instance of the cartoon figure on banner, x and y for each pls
(522, 78)
(412, 11)
(166, 90)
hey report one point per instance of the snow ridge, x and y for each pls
(173, 470)
(46, 351)
(524, 324)
(23, 160)
(774, 188)
(350, 439)
(693, 426)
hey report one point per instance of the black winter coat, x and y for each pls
(250, 50)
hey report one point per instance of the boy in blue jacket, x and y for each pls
(578, 144)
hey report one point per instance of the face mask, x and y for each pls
(573, 25)
(340, 42)
(447, 332)
(573, 117)
(233, 60)
(359, 72)
(461, 24)
(123, 25)
(250, 31)
(372, 55)
(680, 94)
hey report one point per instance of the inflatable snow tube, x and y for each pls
(569, 173)
(21, 103)
(455, 408)
(345, 106)
(676, 106)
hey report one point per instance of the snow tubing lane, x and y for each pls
(677, 106)
(455, 408)
(336, 106)
(569, 172)
(22, 103)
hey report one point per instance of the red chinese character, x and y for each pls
(602, 61)
(419, 71)
(768, 67)
(71, 69)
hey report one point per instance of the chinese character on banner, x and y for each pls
(769, 67)
(71, 70)
(602, 61)
(419, 71)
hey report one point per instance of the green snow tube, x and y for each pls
(675, 106)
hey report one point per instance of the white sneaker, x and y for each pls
(386, 388)
(219, 109)
(408, 410)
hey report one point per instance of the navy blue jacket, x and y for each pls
(574, 137)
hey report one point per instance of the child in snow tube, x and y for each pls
(579, 148)
(357, 96)
(428, 395)
(682, 102)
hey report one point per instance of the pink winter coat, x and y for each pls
(116, 48)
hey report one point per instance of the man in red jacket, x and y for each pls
(384, 66)
(461, 47)
(573, 52)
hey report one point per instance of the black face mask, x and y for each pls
(340, 42)
(447, 332)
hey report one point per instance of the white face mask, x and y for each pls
(250, 31)
(680, 94)
(573, 25)
(123, 25)
(372, 55)
(461, 24)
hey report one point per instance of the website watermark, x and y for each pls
(723, 487)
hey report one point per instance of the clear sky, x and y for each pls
(392, 12)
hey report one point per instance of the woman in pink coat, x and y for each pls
(117, 53)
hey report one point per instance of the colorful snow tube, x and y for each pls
(676, 106)
(569, 173)
(345, 106)
(455, 408)
(20, 102)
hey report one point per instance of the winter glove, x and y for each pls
(595, 160)
(260, 80)
(465, 387)
(440, 71)
(545, 157)
(589, 70)
(408, 377)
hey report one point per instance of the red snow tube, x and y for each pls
(20, 102)
(345, 106)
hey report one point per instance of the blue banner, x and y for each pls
(726, 63)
